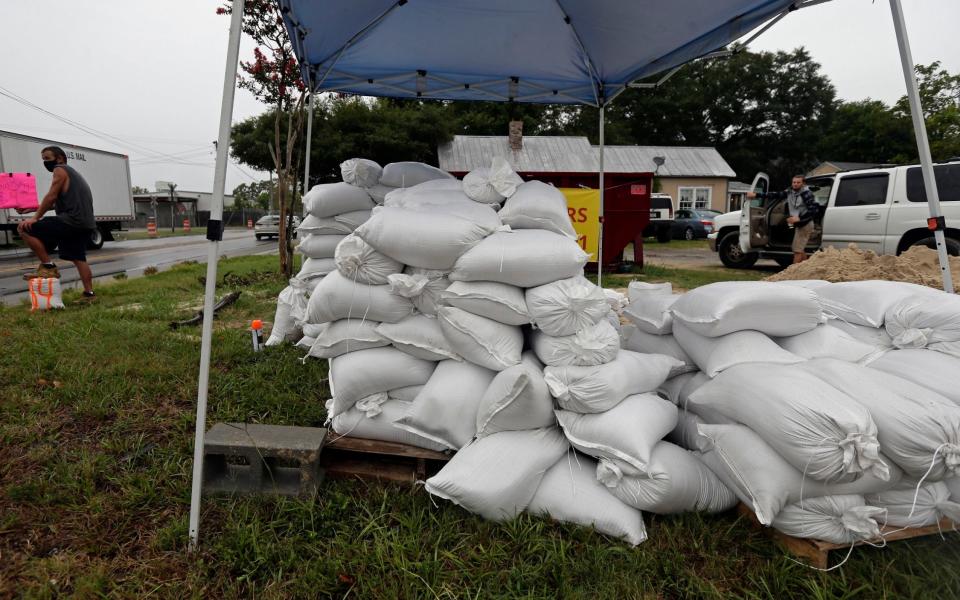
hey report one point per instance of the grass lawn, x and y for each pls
(653, 244)
(96, 429)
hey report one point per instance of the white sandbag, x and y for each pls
(840, 519)
(490, 185)
(45, 293)
(686, 434)
(313, 329)
(318, 245)
(516, 399)
(359, 424)
(614, 319)
(926, 321)
(480, 340)
(816, 427)
(359, 261)
(337, 225)
(330, 199)
(445, 411)
(570, 493)
(616, 301)
(346, 335)
(677, 481)
(593, 345)
(646, 343)
(678, 388)
(304, 343)
(525, 258)
(866, 302)
(728, 306)
(566, 306)
(953, 485)
(877, 337)
(929, 368)
(405, 394)
(641, 289)
(420, 336)
(810, 284)
(498, 301)
(538, 205)
(714, 355)
(409, 174)
(361, 172)
(764, 480)
(452, 202)
(913, 423)
(651, 313)
(600, 388)
(624, 434)
(422, 286)
(497, 476)
(824, 341)
(291, 308)
(906, 507)
(421, 239)
(356, 375)
(380, 192)
(336, 297)
(316, 268)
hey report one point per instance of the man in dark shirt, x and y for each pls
(802, 209)
(70, 229)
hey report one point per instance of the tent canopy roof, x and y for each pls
(538, 51)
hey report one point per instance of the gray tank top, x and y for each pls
(75, 206)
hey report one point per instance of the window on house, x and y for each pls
(695, 197)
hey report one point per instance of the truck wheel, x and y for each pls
(688, 234)
(953, 246)
(258, 236)
(784, 261)
(96, 240)
(664, 235)
(730, 254)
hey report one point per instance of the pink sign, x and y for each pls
(18, 190)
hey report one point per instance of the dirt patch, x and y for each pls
(918, 265)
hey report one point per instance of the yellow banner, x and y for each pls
(583, 206)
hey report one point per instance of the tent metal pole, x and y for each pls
(214, 234)
(306, 162)
(923, 145)
(600, 223)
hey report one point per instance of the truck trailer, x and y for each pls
(107, 173)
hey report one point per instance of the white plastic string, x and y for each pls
(916, 493)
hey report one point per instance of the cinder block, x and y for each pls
(266, 459)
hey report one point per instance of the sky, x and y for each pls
(147, 75)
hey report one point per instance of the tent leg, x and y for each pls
(306, 162)
(923, 145)
(214, 233)
(600, 223)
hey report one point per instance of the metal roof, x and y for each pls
(738, 187)
(574, 154)
(681, 161)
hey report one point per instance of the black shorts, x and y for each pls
(54, 233)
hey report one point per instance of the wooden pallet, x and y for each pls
(817, 552)
(347, 457)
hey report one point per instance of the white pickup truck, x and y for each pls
(881, 209)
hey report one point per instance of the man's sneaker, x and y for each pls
(86, 298)
(44, 272)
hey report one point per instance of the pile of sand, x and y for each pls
(917, 265)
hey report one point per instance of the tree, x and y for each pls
(273, 77)
(253, 195)
(139, 190)
(940, 97)
(868, 131)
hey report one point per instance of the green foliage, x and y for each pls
(868, 131)
(257, 194)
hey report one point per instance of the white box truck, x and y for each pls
(107, 173)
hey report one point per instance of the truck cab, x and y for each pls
(880, 209)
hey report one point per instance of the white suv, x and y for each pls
(881, 209)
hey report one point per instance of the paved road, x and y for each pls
(130, 257)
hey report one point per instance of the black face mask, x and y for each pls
(50, 165)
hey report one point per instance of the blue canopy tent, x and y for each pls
(536, 51)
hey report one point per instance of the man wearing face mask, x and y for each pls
(70, 229)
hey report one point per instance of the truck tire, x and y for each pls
(953, 246)
(730, 254)
(664, 235)
(784, 261)
(96, 240)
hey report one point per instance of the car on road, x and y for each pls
(268, 226)
(693, 224)
(882, 209)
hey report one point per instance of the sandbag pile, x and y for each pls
(820, 405)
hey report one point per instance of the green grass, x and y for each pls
(652, 244)
(96, 429)
(161, 233)
(685, 279)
